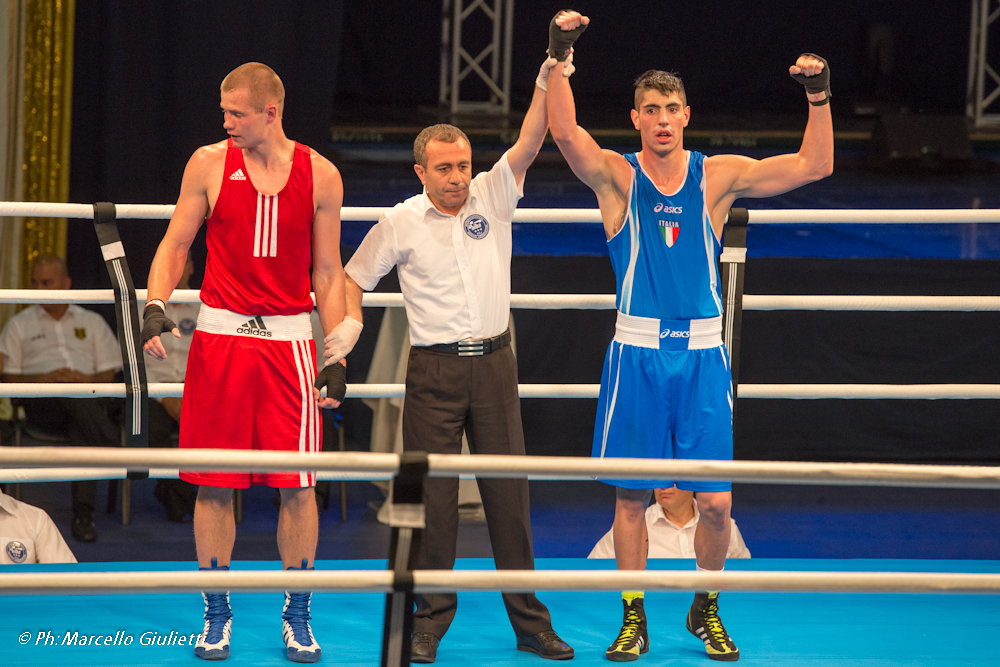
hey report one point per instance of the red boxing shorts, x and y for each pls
(248, 385)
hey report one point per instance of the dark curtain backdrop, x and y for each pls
(146, 95)
(733, 56)
(146, 74)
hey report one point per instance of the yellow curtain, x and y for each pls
(48, 88)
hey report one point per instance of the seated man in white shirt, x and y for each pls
(670, 525)
(27, 535)
(64, 343)
(176, 495)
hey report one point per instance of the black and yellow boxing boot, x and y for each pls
(633, 638)
(704, 623)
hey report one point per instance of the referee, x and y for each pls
(452, 247)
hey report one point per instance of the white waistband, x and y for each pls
(658, 334)
(266, 327)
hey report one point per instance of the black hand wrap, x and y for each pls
(334, 378)
(560, 41)
(819, 83)
(154, 323)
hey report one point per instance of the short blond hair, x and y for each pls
(662, 82)
(261, 83)
(448, 134)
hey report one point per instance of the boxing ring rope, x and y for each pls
(507, 467)
(769, 391)
(508, 581)
(548, 215)
(577, 301)
(439, 465)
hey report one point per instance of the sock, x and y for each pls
(699, 568)
(215, 565)
(305, 562)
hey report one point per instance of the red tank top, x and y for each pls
(260, 246)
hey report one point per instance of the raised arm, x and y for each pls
(168, 264)
(733, 176)
(605, 172)
(529, 141)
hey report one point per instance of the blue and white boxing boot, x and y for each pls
(295, 631)
(213, 643)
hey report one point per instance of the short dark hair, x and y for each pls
(662, 82)
(449, 134)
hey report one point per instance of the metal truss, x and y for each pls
(984, 82)
(457, 63)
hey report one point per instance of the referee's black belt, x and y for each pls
(473, 348)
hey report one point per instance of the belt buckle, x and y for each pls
(471, 348)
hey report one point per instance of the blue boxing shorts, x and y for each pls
(662, 403)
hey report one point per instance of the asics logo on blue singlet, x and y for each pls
(667, 333)
(668, 209)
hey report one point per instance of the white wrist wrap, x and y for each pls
(339, 342)
(543, 72)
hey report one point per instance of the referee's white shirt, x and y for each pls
(668, 540)
(35, 343)
(27, 535)
(454, 271)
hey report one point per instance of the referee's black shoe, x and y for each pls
(423, 647)
(546, 644)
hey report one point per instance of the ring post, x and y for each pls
(732, 264)
(129, 329)
(406, 517)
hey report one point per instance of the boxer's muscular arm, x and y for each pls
(328, 270)
(605, 172)
(733, 176)
(204, 168)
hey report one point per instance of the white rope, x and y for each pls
(512, 581)
(772, 391)
(17, 475)
(515, 581)
(98, 583)
(531, 467)
(550, 215)
(575, 301)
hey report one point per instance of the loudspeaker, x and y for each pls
(920, 140)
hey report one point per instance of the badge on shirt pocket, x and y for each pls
(476, 226)
(17, 551)
(80, 333)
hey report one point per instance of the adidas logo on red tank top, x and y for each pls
(238, 176)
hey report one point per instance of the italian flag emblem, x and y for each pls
(669, 229)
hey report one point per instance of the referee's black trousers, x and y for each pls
(446, 395)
